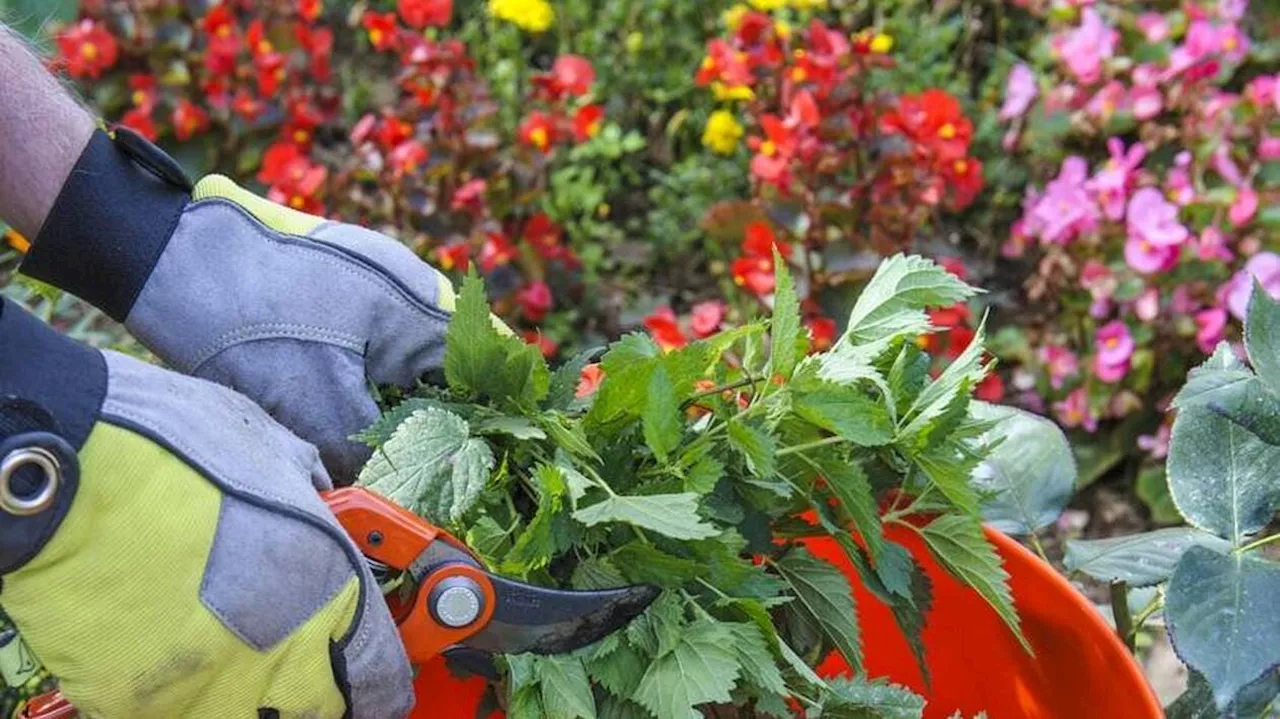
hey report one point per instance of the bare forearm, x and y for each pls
(42, 132)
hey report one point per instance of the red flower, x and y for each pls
(759, 240)
(822, 333)
(309, 9)
(139, 120)
(87, 49)
(537, 131)
(706, 317)
(224, 39)
(589, 380)
(544, 343)
(303, 118)
(932, 119)
(421, 13)
(534, 300)
(724, 64)
(407, 157)
(953, 316)
(665, 330)
(292, 178)
(247, 105)
(189, 120)
(955, 266)
(381, 27)
(990, 389)
(773, 153)
(958, 339)
(392, 131)
(457, 255)
(143, 96)
(318, 42)
(964, 176)
(363, 129)
(586, 122)
(496, 251)
(570, 75)
(754, 270)
(470, 196)
(543, 233)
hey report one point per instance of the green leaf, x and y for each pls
(620, 670)
(755, 658)
(785, 327)
(518, 427)
(597, 573)
(848, 482)
(381, 430)
(577, 482)
(1152, 487)
(857, 698)
(566, 691)
(564, 381)
(1197, 701)
(1220, 609)
(896, 296)
(1217, 377)
(569, 435)
(481, 361)
(644, 563)
(959, 545)
(1222, 476)
(1140, 560)
(950, 468)
(534, 546)
(702, 477)
(823, 595)
(798, 665)
(1262, 335)
(663, 423)
(674, 515)
(701, 668)
(431, 466)
(1223, 385)
(756, 446)
(964, 372)
(487, 538)
(847, 411)
(1031, 474)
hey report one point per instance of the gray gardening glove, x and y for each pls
(297, 312)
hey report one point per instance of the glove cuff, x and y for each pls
(110, 222)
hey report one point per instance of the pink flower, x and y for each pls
(1147, 306)
(1066, 209)
(1098, 279)
(1178, 183)
(1087, 46)
(1113, 343)
(1074, 411)
(1147, 258)
(1146, 101)
(1061, 362)
(1111, 184)
(706, 317)
(1016, 244)
(1153, 219)
(1269, 148)
(1232, 10)
(1225, 166)
(1265, 267)
(1261, 90)
(1157, 445)
(1212, 245)
(1181, 303)
(1153, 26)
(1107, 100)
(1211, 328)
(1019, 93)
(1246, 203)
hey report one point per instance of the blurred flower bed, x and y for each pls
(1110, 169)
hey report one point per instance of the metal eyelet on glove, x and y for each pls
(29, 503)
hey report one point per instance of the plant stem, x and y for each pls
(1035, 544)
(809, 445)
(1255, 544)
(1124, 619)
(746, 381)
(1153, 606)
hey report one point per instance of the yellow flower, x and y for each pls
(767, 5)
(783, 28)
(808, 4)
(530, 15)
(723, 132)
(733, 16)
(881, 43)
(725, 93)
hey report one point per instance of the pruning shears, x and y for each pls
(447, 604)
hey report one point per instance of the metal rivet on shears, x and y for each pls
(43, 461)
(456, 601)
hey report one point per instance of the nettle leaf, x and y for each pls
(848, 482)
(756, 658)
(674, 515)
(701, 668)
(431, 466)
(1220, 609)
(481, 361)
(756, 446)
(663, 423)
(896, 296)
(534, 547)
(964, 372)
(1140, 560)
(785, 327)
(564, 381)
(620, 670)
(1222, 477)
(950, 467)
(858, 698)
(1031, 474)
(847, 411)
(517, 427)
(960, 546)
(1262, 335)
(824, 597)
(628, 366)
(566, 691)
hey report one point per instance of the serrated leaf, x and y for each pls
(612, 707)
(644, 563)
(620, 670)
(381, 430)
(597, 573)
(518, 427)
(823, 595)
(701, 668)
(564, 381)
(1030, 476)
(535, 545)
(1224, 386)
(964, 372)
(755, 658)
(907, 376)
(857, 698)
(487, 538)
(481, 361)
(1217, 377)
(848, 482)
(576, 482)
(798, 665)
(1140, 560)
(903, 286)
(663, 423)
(1220, 610)
(627, 365)
(756, 446)
(1262, 335)
(702, 477)
(673, 515)
(566, 691)
(1222, 476)
(959, 545)
(846, 411)
(431, 466)
(950, 468)
(569, 436)
(785, 327)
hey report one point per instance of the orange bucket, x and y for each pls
(1080, 668)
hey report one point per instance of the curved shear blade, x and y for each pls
(556, 621)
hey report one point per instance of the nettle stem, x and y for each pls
(809, 445)
(1258, 543)
(1124, 619)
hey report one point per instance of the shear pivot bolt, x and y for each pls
(457, 601)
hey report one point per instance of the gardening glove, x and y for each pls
(182, 564)
(297, 312)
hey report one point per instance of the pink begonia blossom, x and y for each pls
(1153, 26)
(1061, 362)
(1182, 303)
(1098, 279)
(1111, 184)
(1147, 258)
(1074, 411)
(706, 317)
(1152, 218)
(1157, 445)
(1225, 166)
(1265, 267)
(1178, 183)
(1147, 306)
(1262, 91)
(1066, 209)
(1269, 148)
(1019, 93)
(1232, 10)
(1212, 245)
(1110, 373)
(1084, 48)
(1245, 205)
(1204, 42)
(1211, 328)
(1146, 101)
(1016, 244)
(1061, 98)
(1106, 101)
(1113, 343)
